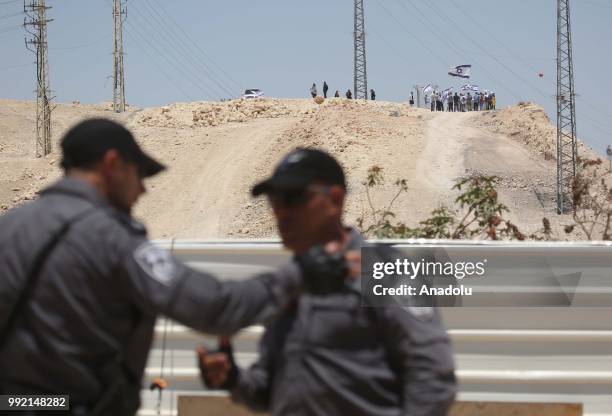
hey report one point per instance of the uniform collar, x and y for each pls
(355, 239)
(75, 187)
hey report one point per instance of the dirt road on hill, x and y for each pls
(217, 151)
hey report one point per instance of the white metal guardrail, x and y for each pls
(527, 354)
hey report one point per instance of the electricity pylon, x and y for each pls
(35, 24)
(567, 152)
(360, 81)
(119, 13)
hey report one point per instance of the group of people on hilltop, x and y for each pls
(348, 94)
(478, 101)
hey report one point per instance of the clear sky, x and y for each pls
(194, 50)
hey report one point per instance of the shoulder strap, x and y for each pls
(35, 271)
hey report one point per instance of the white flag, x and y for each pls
(427, 89)
(462, 71)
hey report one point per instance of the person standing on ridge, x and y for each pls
(476, 101)
(313, 90)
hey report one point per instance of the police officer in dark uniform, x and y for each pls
(326, 354)
(81, 285)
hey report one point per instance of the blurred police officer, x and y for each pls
(81, 286)
(326, 354)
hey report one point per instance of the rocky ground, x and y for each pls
(217, 150)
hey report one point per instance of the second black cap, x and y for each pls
(299, 169)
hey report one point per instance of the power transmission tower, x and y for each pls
(119, 13)
(567, 152)
(360, 82)
(35, 23)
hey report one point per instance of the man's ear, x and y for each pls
(337, 195)
(110, 162)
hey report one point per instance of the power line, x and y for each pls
(199, 48)
(588, 104)
(419, 42)
(132, 28)
(525, 81)
(81, 46)
(457, 50)
(188, 67)
(5, 68)
(151, 56)
(424, 42)
(179, 47)
(10, 29)
(597, 125)
(6, 16)
(390, 46)
(594, 107)
(492, 36)
(451, 46)
(595, 3)
(168, 77)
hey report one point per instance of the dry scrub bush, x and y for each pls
(478, 214)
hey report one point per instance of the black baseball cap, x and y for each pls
(87, 143)
(299, 169)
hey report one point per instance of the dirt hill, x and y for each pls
(217, 151)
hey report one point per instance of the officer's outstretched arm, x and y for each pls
(158, 283)
(420, 349)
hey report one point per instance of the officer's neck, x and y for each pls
(92, 178)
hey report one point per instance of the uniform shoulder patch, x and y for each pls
(156, 262)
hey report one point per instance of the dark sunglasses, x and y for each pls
(296, 197)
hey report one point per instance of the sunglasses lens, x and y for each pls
(289, 198)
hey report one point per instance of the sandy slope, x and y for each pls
(216, 151)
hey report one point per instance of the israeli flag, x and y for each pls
(447, 92)
(470, 87)
(462, 71)
(427, 89)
